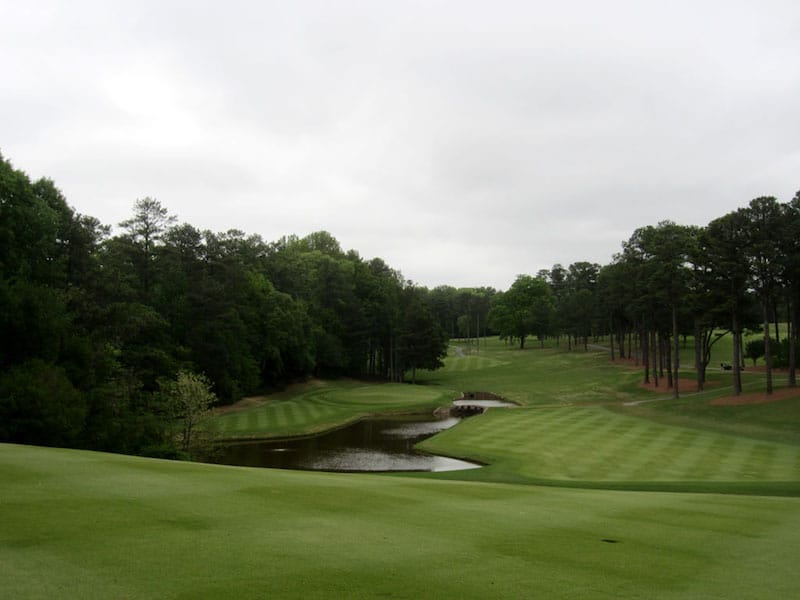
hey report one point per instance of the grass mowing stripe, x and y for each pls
(759, 461)
(324, 405)
(302, 412)
(615, 452)
(593, 444)
(708, 461)
(253, 420)
(281, 414)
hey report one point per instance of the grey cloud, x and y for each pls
(462, 142)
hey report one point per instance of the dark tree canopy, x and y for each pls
(527, 308)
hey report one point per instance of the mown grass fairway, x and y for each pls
(322, 405)
(89, 525)
(592, 446)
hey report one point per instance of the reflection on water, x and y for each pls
(385, 444)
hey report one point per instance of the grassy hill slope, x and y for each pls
(90, 525)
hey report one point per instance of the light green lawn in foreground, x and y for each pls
(90, 525)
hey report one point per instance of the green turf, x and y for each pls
(536, 376)
(593, 446)
(322, 405)
(90, 525)
(584, 421)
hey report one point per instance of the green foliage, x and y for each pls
(190, 400)
(422, 343)
(781, 353)
(39, 405)
(527, 308)
(754, 349)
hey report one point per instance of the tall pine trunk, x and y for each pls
(767, 350)
(698, 355)
(655, 357)
(677, 347)
(737, 359)
(792, 312)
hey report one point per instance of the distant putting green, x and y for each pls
(91, 525)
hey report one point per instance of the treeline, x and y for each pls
(739, 273)
(95, 328)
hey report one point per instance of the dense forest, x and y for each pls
(101, 333)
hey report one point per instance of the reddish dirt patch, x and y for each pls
(762, 369)
(684, 385)
(759, 398)
(252, 401)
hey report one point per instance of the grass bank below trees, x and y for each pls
(320, 405)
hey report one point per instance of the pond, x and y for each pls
(376, 445)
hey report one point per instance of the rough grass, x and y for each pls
(90, 525)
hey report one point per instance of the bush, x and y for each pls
(754, 349)
(39, 405)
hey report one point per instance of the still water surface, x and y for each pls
(383, 444)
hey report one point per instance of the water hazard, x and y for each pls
(372, 445)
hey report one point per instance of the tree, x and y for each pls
(527, 308)
(39, 405)
(723, 240)
(422, 343)
(145, 229)
(578, 304)
(764, 221)
(660, 255)
(754, 349)
(791, 276)
(190, 400)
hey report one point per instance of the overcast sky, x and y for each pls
(462, 142)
